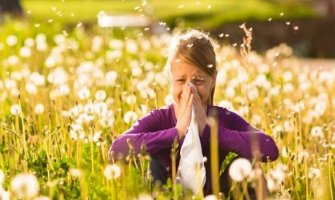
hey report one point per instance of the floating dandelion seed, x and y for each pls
(50, 20)
(221, 35)
(296, 28)
(270, 19)
(287, 23)
(209, 7)
(37, 25)
(79, 24)
(112, 172)
(210, 66)
(25, 186)
(281, 14)
(240, 169)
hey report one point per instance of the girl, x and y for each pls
(192, 68)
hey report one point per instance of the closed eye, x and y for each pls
(198, 81)
(180, 80)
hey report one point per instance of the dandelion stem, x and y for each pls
(214, 155)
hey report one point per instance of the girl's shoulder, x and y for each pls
(219, 110)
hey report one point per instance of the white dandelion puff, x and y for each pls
(210, 197)
(100, 95)
(130, 116)
(112, 171)
(25, 186)
(31, 88)
(11, 40)
(39, 109)
(25, 52)
(240, 169)
(317, 132)
(314, 172)
(84, 93)
(75, 172)
(16, 109)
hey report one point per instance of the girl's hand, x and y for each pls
(199, 110)
(184, 111)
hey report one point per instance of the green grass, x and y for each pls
(202, 13)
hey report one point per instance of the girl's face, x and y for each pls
(183, 72)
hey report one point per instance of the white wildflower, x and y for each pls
(25, 186)
(302, 156)
(11, 40)
(210, 197)
(16, 109)
(39, 109)
(314, 172)
(317, 132)
(75, 172)
(112, 171)
(131, 99)
(130, 116)
(110, 78)
(100, 95)
(25, 52)
(131, 46)
(240, 169)
(84, 93)
(31, 88)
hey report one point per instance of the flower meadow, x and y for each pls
(66, 94)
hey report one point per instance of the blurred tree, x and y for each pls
(12, 7)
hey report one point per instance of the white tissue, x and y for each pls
(191, 165)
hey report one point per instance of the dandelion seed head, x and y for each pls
(11, 40)
(110, 78)
(317, 132)
(16, 109)
(84, 93)
(240, 169)
(112, 171)
(75, 172)
(31, 88)
(39, 109)
(130, 116)
(25, 186)
(314, 173)
(210, 197)
(100, 95)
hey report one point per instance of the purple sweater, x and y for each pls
(157, 131)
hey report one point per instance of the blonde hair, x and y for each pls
(197, 48)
